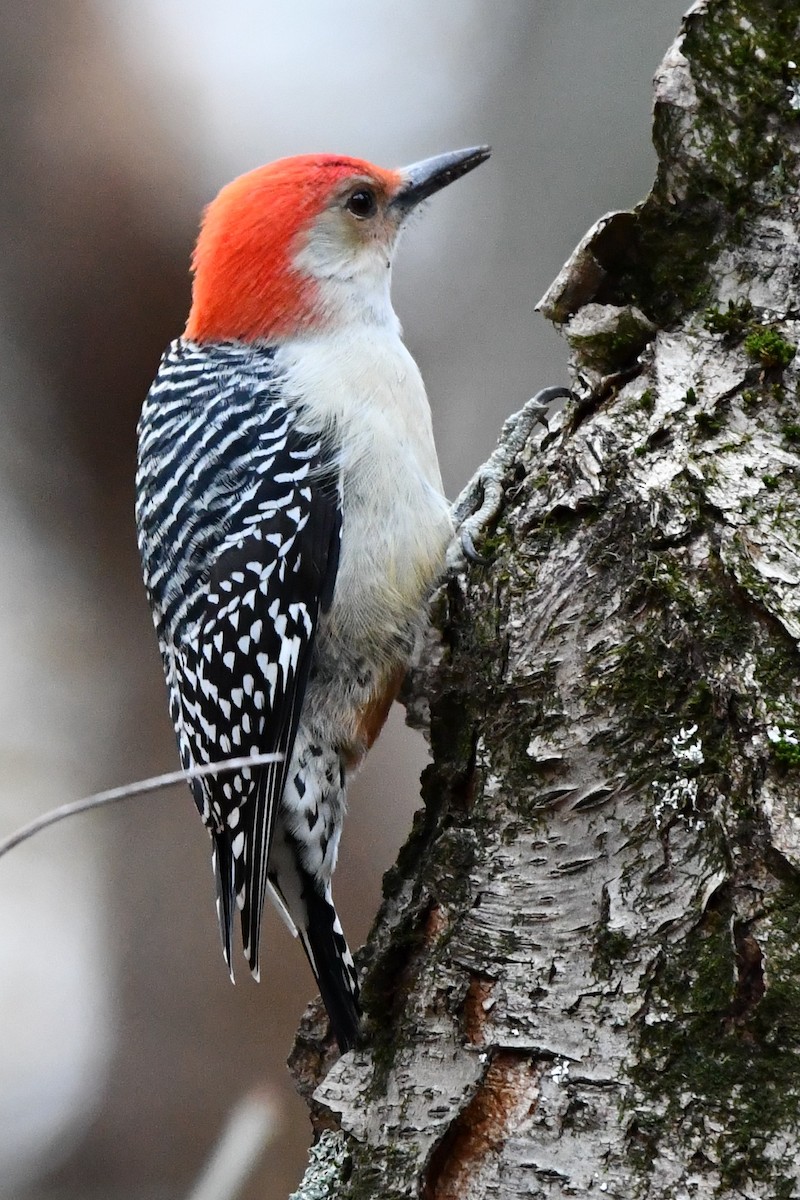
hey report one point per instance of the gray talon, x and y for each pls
(468, 546)
(546, 396)
(480, 501)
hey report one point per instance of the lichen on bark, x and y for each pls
(585, 975)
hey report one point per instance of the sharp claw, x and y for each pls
(468, 546)
(488, 479)
(546, 396)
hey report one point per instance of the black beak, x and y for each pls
(424, 178)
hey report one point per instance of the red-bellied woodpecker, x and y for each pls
(291, 522)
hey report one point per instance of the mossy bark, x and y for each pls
(585, 977)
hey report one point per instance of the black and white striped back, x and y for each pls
(239, 521)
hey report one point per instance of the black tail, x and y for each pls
(223, 872)
(333, 967)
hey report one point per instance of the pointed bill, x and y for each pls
(422, 179)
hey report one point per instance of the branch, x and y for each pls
(251, 1126)
(140, 788)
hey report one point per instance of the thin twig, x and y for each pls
(251, 1126)
(141, 786)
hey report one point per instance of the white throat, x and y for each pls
(354, 282)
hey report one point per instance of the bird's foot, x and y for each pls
(479, 503)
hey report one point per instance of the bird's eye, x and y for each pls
(362, 203)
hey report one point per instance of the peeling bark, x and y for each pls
(585, 976)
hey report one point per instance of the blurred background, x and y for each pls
(123, 1046)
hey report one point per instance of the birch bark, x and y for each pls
(585, 976)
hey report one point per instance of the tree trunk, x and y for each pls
(585, 977)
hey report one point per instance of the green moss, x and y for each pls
(691, 626)
(785, 749)
(714, 1046)
(616, 344)
(656, 681)
(764, 344)
(778, 668)
(489, 548)
(369, 1176)
(448, 881)
(660, 260)
(709, 424)
(791, 433)
(647, 400)
(664, 266)
(506, 944)
(787, 754)
(611, 947)
(739, 53)
(384, 992)
(732, 323)
(767, 347)
(770, 482)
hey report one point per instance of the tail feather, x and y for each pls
(222, 858)
(332, 964)
(250, 868)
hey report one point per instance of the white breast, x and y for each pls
(364, 386)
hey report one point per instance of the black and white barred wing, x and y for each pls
(241, 669)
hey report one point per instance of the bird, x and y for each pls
(291, 522)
